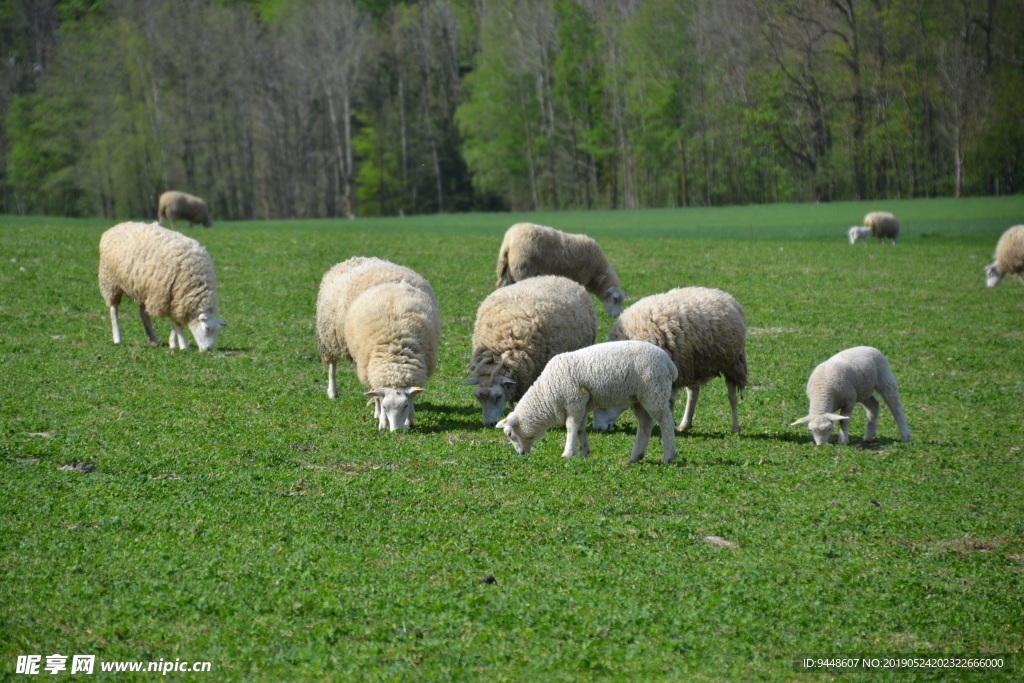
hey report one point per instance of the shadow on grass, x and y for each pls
(712, 436)
(452, 418)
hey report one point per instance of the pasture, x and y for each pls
(218, 507)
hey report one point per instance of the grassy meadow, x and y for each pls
(218, 507)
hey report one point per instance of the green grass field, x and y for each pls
(228, 512)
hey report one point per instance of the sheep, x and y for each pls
(859, 233)
(384, 317)
(180, 205)
(529, 250)
(1008, 258)
(168, 274)
(704, 332)
(883, 226)
(518, 329)
(622, 373)
(847, 378)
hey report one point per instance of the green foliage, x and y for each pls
(515, 104)
(377, 179)
(495, 123)
(43, 152)
(228, 511)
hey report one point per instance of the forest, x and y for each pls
(340, 108)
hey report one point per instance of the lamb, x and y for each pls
(518, 329)
(704, 332)
(384, 317)
(529, 250)
(622, 373)
(1009, 257)
(168, 274)
(849, 377)
(883, 225)
(859, 233)
(180, 205)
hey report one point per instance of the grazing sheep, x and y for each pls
(859, 233)
(384, 317)
(529, 250)
(1009, 257)
(623, 373)
(168, 274)
(518, 329)
(883, 225)
(847, 378)
(180, 205)
(704, 332)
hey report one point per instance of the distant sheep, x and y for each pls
(624, 373)
(847, 378)
(529, 250)
(518, 329)
(883, 225)
(175, 206)
(1009, 257)
(704, 332)
(384, 317)
(859, 233)
(168, 274)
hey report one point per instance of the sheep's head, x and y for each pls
(493, 393)
(205, 329)
(393, 407)
(992, 275)
(604, 418)
(612, 298)
(820, 426)
(514, 431)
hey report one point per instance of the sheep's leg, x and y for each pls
(732, 404)
(572, 434)
(844, 426)
(382, 415)
(692, 393)
(332, 384)
(892, 399)
(412, 414)
(115, 325)
(581, 430)
(148, 324)
(666, 421)
(871, 408)
(645, 424)
(178, 339)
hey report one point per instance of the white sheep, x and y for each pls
(518, 329)
(623, 373)
(168, 274)
(859, 233)
(1009, 257)
(176, 205)
(384, 317)
(847, 378)
(883, 225)
(704, 332)
(529, 250)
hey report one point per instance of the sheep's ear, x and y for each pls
(802, 421)
(835, 417)
(501, 424)
(375, 392)
(471, 380)
(414, 391)
(506, 380)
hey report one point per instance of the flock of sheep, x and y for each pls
(534, 338)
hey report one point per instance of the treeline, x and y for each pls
(311, 108)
